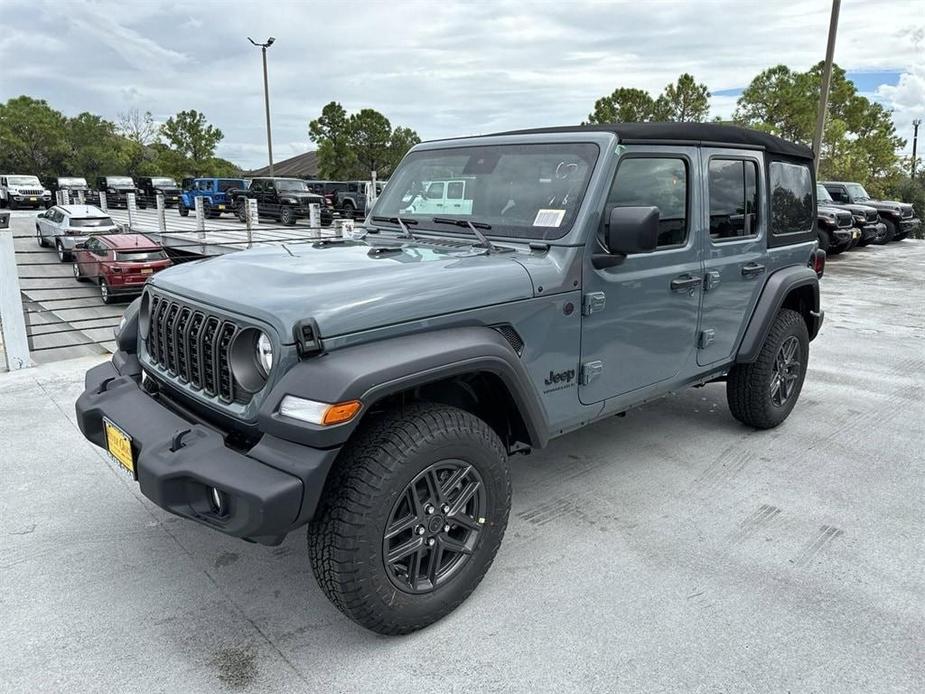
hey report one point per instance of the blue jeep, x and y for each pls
(213, 190)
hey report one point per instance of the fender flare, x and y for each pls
(776, 289)
(375, 370)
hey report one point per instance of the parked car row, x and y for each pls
(847, 217)
(350, 198)
(119, 263)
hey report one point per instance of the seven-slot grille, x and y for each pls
(906, 211)
(844, 219)
(29, 191)
(193, 346)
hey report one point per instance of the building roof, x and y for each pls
(689, 133)
(300, 166)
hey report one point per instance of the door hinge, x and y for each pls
(706, 338)
(592, 302)
(591, 370)
(710, 280)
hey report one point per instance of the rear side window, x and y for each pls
(140, 256)
(791, 198)
(91, 222)
(733, 198)
(659, 182)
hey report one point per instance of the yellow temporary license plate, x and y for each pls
(221, 207)
(146, 271)
(32, 199)
(857, 234)
(119, 445)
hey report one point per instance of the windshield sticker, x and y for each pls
(549, 218)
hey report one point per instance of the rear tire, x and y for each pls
(762, 394)
(182, 209)
(387, 479)
(105, 294)
(63, 255)
(240, 211)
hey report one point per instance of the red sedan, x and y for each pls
(119, 263)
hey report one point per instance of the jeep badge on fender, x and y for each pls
(373, 389)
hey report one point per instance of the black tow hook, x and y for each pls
(176, 443)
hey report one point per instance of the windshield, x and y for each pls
(524, 191)
(822, 195)
(292, 184)
(72, 182)
(856, 191)
(92, 222)
(23, 181)
(120, 181)
(226, 184)
(163, 183)
(140, 256)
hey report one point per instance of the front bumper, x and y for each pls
(907, 226)
(270, 489)
(35, 200)
(873, 231)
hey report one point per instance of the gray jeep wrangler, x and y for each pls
(374, 388)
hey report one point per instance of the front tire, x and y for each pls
(891, 230)
(411, 517)
(182, 209)
(105, 294)
(762, 394)
(287, 216)
(39, 238)
(823, 241)
(77, 276)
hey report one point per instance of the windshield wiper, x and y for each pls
(402, 222)
(474, 226)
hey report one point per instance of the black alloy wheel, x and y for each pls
(434, 526)
(786, 371)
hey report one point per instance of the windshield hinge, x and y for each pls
(593, 302)
(591, 370)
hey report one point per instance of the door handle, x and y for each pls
(752, 270)
(685, 283)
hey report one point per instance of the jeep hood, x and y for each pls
(344, 288)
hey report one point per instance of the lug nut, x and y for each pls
(446, 528)
(420, 530)
(445, 508)
(428, 509)
(430, 542)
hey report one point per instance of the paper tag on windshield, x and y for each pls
(549, 218)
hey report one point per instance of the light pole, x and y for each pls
(266, 94)
(826, 79)
(915, 141)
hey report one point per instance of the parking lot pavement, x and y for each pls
(670, 550)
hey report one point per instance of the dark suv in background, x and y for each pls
(151, 186)
(866, 218)
(898, 217)
(835, 229)
(349, 198)
(286, 199)
(117, 188)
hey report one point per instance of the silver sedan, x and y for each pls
(65, 226)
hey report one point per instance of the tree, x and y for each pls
(684, 101)
(681, 101)
(859, 142)
(193, 137)
(624, 105)
(94, 148)
(354, 146)
(140, 132)
(329, 133)
(33, 137)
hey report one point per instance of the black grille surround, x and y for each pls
(872, 215)
(192, 346)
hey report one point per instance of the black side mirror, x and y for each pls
(80, 245)
(628, 230)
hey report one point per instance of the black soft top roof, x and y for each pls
(708, 134)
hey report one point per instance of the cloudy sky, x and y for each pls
(444, 68)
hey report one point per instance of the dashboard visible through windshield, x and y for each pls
(528, 191)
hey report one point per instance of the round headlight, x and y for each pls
(264, 354)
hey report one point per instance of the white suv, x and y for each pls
(23, 191)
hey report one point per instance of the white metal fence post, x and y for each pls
(252, 219)
(12, 319)
(373, 194)
(314, 217)
(161, 216)
(132, 208)
(201, 222)
(81, 198)
(104, 204)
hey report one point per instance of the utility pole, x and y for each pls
(266, 94)
(915, 141)
(826, 80)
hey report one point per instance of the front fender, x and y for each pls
(372, 371)
(779, 285)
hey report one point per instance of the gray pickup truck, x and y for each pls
(373, 389)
